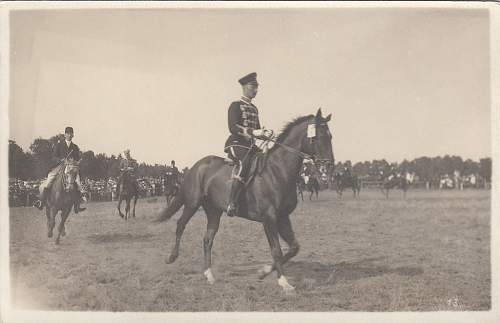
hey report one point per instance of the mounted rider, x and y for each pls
(244, 125)
(128, 166)
(64, 151)
(172, 175)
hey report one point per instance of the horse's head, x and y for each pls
(69, 176)
(318, 142)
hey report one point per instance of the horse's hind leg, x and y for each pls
(213, 217)
(187, 213)
(285, 231)
(64, 216)
(120, 199)
(51, 222)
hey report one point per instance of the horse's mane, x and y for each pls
(288, 127)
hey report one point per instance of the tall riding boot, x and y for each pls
(41, 200)
(236, 187)
(77, 207)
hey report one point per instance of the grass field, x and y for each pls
(428, 252)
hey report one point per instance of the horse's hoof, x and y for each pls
(50, 235)
(287, 288)
(171, 259)
(264, 271)
(57, 241)
(210, 277)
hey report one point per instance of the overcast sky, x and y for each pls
(400, 83)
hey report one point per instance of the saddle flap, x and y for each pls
(257, 166)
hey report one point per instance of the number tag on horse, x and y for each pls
(311, 130)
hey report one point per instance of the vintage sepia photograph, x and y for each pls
(249, 159)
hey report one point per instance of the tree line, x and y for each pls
(35, 164)
(426, 168)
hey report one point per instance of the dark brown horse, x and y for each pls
(344, 181)
(269, 198)
(62, 196)
(127, 189)
(394, 182)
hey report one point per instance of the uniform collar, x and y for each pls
(246, 100)
(68, 143)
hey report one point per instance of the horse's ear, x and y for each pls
(328, 118)
(319, 114)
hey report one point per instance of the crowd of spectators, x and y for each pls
(24, 193)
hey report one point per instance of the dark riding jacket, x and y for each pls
(125, 163)
(243, 118)
(172, 175)
(61, 150)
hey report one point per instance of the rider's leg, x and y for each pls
(236, 186)
(238, 154)
(44, 187)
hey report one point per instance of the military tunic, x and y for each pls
(243, 118)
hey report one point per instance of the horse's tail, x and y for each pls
(170, 210)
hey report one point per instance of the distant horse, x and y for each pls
(127, 189)
(394, 182)
(344, 181)
(269, 197)
(301, 187)
(313, 187)
(62, 196)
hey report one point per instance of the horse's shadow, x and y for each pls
(119, 237)
(342, 271)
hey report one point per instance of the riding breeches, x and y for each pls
(240, 155)
(51, 176)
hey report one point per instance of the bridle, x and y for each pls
(298, 152)
(291, 149)
(67, 186)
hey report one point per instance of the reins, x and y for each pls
(290, 149)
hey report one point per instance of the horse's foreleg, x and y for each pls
(127, 208)
(271, 229)
(187, 213)
(64, 216)
(213, 217)
(285, 231)
(135, 202)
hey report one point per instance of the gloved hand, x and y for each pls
(262, 133)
